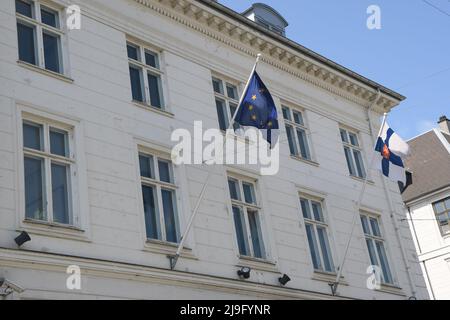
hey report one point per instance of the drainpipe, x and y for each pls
(391, 206)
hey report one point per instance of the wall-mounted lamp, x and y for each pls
(244, 273)
(284, 279)
(22, 238)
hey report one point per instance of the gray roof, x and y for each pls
(430, 165)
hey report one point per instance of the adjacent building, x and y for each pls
(86, 117)
(428, 206)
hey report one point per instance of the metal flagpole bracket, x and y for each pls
(333, 287)
(173, 261)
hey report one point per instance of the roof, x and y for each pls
(298, 47)
(268, 8)
(429, 163)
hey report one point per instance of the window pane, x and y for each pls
(291, 140)
(439, 207)
(58, 143)
(154, 90)
(256, 235)
(298, 118)
(27, 50)
(317, 210)
(447, 203)
(34, 189)
(133, 52)
(350, 164)
(233, 108)
(32, 136)
(353, 139)
(152, 226)
(164, 171)
(146, 166)
(170, 220)
(60, 194)
(136, 84)
(375, 227)
(249, 193)
(372, 254)
(313, 247)
(24, 8)
(305, 208)
(232, 91)
(359, 164)
(344, 137)
(222, 114)
(49, 17)
(51, 52)
(326, 251)
(384, 262)
(151, 59)
(234, 189)
(303, 141)
(365, 225)
(241, 231)
(286, 113)
(217, 85)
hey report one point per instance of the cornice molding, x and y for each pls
(251, 42)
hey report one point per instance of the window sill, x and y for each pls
(257, 264)
(362, 180)
(148, 107)
(43, 71)
(311, 162)
(390, 288)
(54, 230)
(328, 277)
(167, 248)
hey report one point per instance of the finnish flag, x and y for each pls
(390, 149)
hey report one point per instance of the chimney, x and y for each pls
(444, 124)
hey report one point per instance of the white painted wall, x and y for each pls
(112, 251)
(433, 249)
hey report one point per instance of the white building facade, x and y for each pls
(428, 206)
(86, 119)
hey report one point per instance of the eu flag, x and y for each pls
(258, 109)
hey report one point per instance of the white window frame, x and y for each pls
(40, 28)
(353, 148)
(80, 229)
(373, 238)
(144, 70)
(437, 214)
(225, 98)
(294, 125)
(325, 225)
(246, 207)
(159, 185)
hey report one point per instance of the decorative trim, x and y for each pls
(251, 42)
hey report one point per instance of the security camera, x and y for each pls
(9, 285)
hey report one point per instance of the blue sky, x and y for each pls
(410, 54)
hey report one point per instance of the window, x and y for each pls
(227, 99)
(145, 76)
(317, 234)
(297, 133)
(48, 173)
(375, 246)
(159, 198)
(246, 217)
(353, 153)
(442, 211)
(39, 35)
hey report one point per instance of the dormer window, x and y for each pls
(267, 17)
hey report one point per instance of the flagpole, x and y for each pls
(174, 258)
(335, 284)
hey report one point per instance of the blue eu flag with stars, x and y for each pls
(258, 109)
